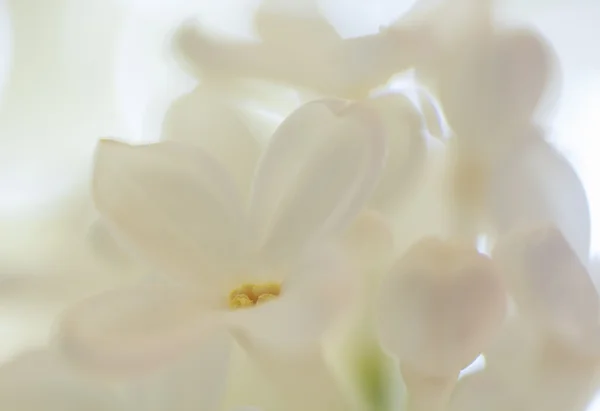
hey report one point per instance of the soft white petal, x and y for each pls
(135, 329)
(549, 283)
(303, 381)
(526, 370)
(440, 306)
(493, 86)
(173, 203)
(204, 118)
(40, 381)
(402, 125)
(318, 171)
(426, 213)
(444, 28)
(312, 298)
(536, 184)
(106, 246)
(317, 59)
(369, 243)
(197, 381)
(295, 24)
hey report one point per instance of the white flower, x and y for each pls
(439, 305)
(438, 309)
(547, 355)
(550, 285)
(527, 371)
(258, 269)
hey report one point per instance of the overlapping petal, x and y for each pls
(197, 381)
(206, 118)
(407, 150)
(492, 87)
(550, 284)
(439, 307)
(138, 328)
(535, 184)
(317, 173)
(174, 204)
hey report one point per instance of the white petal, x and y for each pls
(173, 203)
(106, 246)
(425, 214)
(135, 329)
(40, 381)
(204, 118)
(527, 371)
(440, 306)
(320, 168)
(369, 243)
(549, 283)
(313, 57)
(536, 184)
(303, 381)
(298, 23)
(312, 298)
(197, 381)
(493, 86)
(406, 150)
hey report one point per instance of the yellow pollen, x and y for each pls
(248, 295)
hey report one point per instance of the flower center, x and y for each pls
(249, 295)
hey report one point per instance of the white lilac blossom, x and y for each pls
(264, 244)
(262, 268)
(439, 307)
(551, 286)
(490, 82)
(547, 354)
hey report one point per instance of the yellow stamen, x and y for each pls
(263, 298)
(240, 301)
(248, 295)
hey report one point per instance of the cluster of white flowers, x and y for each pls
(374, 247)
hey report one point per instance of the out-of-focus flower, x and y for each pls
(527, 374)
(551, 286)
(547, 354)
(490, 92)
(439, 307)
(304, 50)
(253, 270)
(535, 184)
